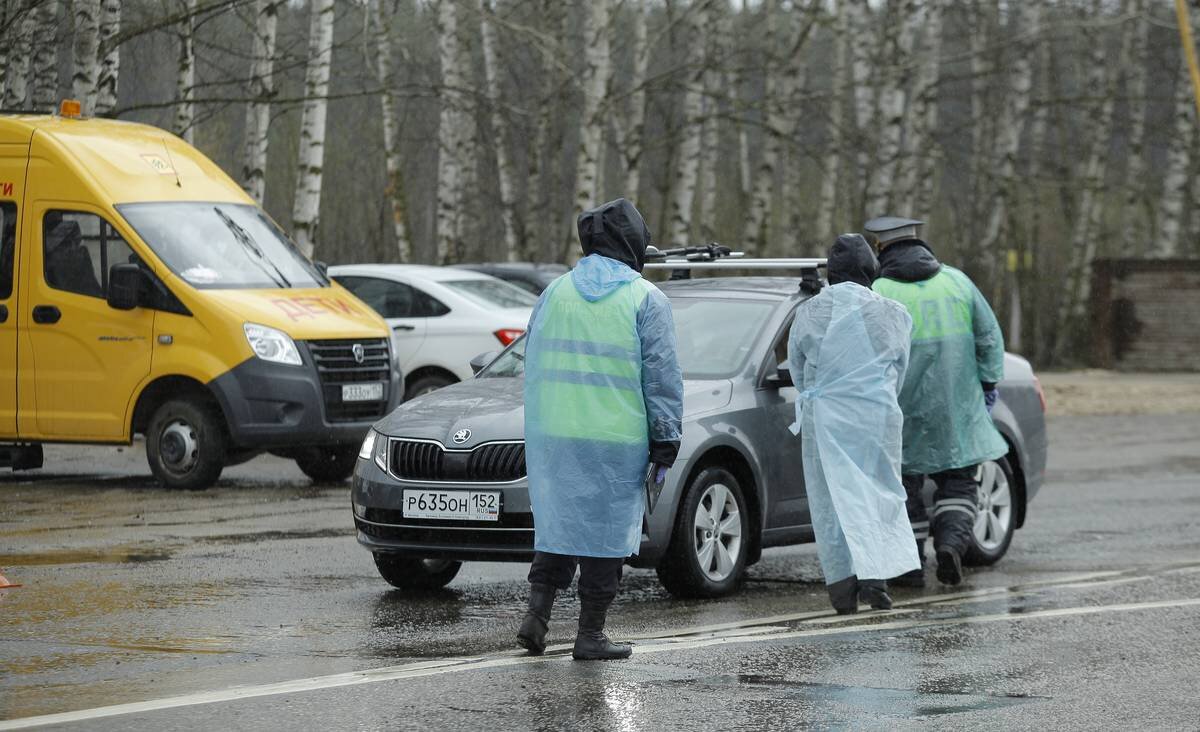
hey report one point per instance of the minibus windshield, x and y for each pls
(221, 245)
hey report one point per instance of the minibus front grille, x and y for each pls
(495, 462)
(337, 365)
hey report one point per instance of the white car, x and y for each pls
(441, 317)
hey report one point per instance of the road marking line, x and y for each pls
(474, 663)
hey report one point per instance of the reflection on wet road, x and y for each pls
(254, 601)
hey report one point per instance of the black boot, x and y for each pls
(949, 566)
(532, 635)
(844, 595)
(591, 644)
(915, 578)
(874, 593)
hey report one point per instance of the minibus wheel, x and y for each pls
(186, 444)
(331, 464)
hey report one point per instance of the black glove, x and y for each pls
(663, 453)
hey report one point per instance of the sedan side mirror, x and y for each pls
(480, 362)
(782, 376)
(126, 283)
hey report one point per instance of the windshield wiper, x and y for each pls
(243, 237)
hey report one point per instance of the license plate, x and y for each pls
(362, 392)
(453, 505)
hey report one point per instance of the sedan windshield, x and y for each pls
(714, 338)
(221, 245)
(492, 293)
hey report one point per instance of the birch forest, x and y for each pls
(1033, 136)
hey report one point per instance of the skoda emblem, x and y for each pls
(360, 353)
(461, 436)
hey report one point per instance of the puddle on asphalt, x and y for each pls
(255, 537)
(128, 554)
(927, 702)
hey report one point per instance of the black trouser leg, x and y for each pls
(556, 570)
(954, 508)
(914, 504)
(599, 578)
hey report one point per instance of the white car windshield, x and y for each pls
(221, 245)
(492, 293)
(713, 338)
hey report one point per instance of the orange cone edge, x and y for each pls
(4, 583)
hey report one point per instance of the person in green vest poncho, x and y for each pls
(956, 360)
(603, 407)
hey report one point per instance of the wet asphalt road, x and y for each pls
(256, 593)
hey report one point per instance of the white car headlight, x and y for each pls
(272, 345)
(368, 446)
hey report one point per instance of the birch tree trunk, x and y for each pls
(866, 97)
(450, 133)
(87, 58)
(506, 172)
(1175, 182)
(1008, 130)
(597, 69)
(19, 48)
(921, 150)
(754, 237)
(1073, 306)
(382, 37)
(893, 99)
(831, 165)
(261, 88)
(185, 76)
(629, 128)
(306, 208)
(715, 82)
(1137, 231)
(687, 168)
(45, 57)
(110, 56)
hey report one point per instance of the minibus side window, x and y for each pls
(8, 245)
(77, 251)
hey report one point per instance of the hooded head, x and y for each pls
(851, 260)
(615, 230)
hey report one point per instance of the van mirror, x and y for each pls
(322, 267)
(125, 284)
(480, 362)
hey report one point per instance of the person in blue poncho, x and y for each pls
(603, 403)
(847, 352)
(957, 359)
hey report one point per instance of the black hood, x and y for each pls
(851, 260)
(908, 260)
(615, 230)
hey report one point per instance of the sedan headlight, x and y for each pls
(272, 345)
(368, 446)
(381, 449)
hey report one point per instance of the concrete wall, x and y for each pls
(1146, 314)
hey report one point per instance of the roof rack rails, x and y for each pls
(681, 261)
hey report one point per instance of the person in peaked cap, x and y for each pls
(956, 360)
(847, 353)
(603, 407)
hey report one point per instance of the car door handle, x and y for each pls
(46, 314)
(404, 327)
(3, 313)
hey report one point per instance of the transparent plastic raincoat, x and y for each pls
(603, 392)
(956, 344)
(847, 353)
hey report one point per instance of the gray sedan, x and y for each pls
(442, 479)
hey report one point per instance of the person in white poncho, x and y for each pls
(847, 353)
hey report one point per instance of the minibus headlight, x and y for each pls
(368, 446)
(272, 345)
